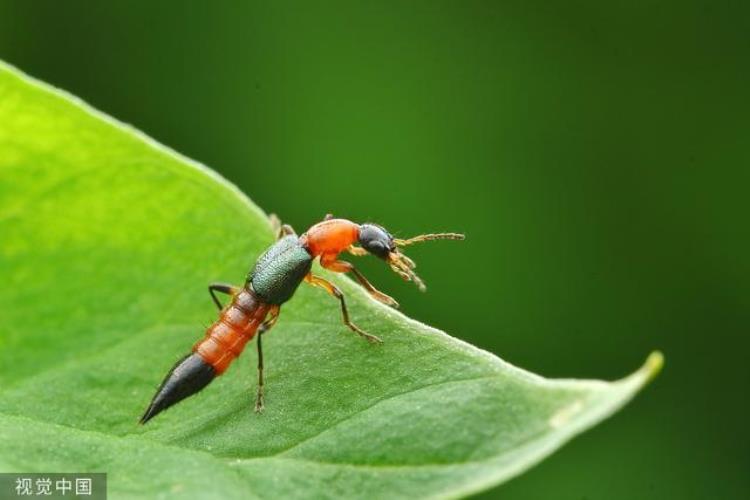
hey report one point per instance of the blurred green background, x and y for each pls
(596, 155)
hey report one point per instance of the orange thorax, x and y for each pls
(330, 237)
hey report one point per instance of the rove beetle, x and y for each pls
(272, 281)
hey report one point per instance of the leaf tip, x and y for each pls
(652, 366)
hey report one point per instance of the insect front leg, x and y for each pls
(357, 251)
(334, 290)
(329, 262)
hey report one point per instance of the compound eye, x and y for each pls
(377, 247)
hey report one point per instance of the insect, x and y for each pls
(254, 307)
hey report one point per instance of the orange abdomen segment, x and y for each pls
(237, 324)
(330, 236)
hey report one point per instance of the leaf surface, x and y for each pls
(108, 243)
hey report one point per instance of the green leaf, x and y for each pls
(108, 243)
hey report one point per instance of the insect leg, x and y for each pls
(357, 251)
(223, 288)
(279, 229)
(267, 325)
(259, 395)
(341, 266)
(334, 290)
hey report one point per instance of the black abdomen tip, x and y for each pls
(188, 376)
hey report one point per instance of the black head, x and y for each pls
(376, 240)
(380, 243)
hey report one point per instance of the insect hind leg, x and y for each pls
(267, 325)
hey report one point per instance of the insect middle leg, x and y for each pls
(280, 229)
(341, 266)
(334, 290)
(267, 325)
(222, 288)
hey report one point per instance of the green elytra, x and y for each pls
(280, 270)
